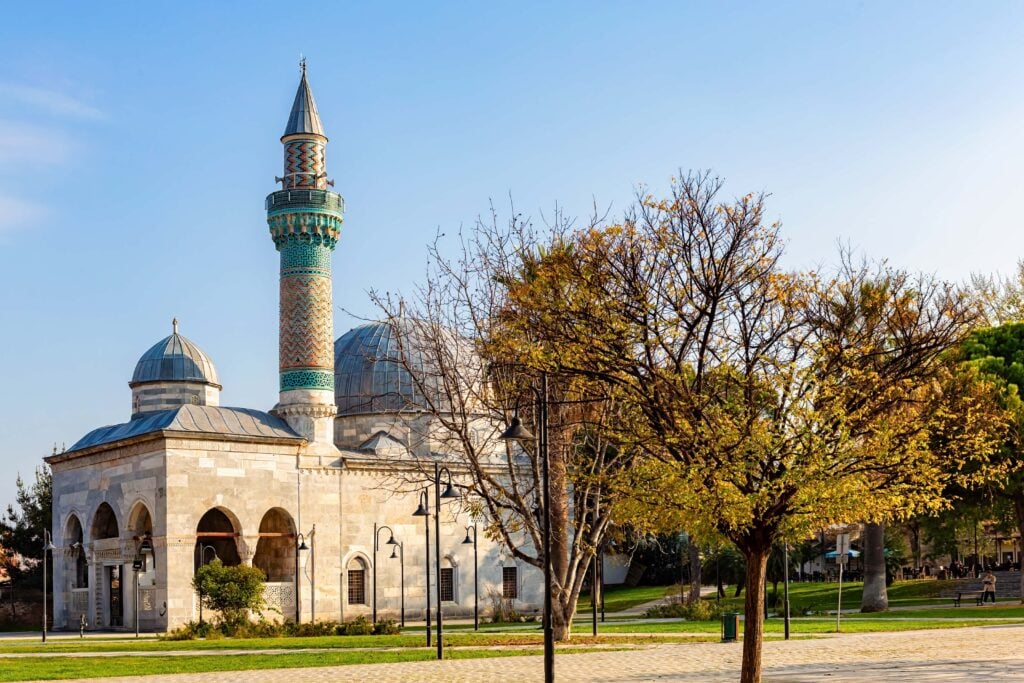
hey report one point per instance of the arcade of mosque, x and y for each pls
(298, 492)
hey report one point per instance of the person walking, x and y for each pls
(988, 587)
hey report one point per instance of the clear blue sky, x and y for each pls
(138, 140)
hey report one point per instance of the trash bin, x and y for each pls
(730, 626)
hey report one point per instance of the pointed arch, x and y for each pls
(275, 550)
(217, 535)
(140, 520)
(104, 523)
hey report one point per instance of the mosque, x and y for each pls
(304, 492)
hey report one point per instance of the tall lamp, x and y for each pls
(476, 581)
(47, 547)
(517, 432)
(448, 494)
(398, 551)
(300, 548)
(376, 546)
(424, 512)
(202, 560)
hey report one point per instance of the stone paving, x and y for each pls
(991, 653)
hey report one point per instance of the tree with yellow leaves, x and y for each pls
(768, 403)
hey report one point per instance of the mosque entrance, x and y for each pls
(115, 595)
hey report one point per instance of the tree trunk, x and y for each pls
(915, 542)
(561, 619)
(753, 616)
(695, 571)
(562, 612)
(1018, 509)
(875, 597)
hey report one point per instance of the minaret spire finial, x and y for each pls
(174, 325)
(302, 63)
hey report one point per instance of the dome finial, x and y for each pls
(174, 325)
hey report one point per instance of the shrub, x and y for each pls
(701, 610)
(234, 592)
(387, 627)
(360, 626)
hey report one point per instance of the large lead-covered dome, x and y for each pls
(369, 375)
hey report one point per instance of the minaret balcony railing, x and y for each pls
(305, 199)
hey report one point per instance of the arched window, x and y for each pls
(356, 581)
(275, 551)
(217, 538)
(74, 538)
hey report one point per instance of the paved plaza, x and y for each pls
(990, 653)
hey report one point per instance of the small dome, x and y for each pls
(369, 376)
(175, 359)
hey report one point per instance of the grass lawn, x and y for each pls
(820, 597)
(618, 598)
(381, 643)
(55, 668)
(804, 626)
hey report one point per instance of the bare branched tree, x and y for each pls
(472, 372)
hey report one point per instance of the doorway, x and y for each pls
(115, 595)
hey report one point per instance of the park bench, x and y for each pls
(957, 596)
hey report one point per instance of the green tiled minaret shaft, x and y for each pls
(305, 221)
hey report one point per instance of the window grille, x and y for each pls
(356, 587)
(447, 584)
(510, 583)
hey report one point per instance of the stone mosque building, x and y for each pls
(297, 491)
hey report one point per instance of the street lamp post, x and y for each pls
(424, 512)
(785, 597)
(376, 547)
(202, 561)
(517, 432)
(398, 550)
(476, 581)
(47, 547)
(449, 493)
(144, 546)
(301, 547)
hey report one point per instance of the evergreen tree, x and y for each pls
(22, 525)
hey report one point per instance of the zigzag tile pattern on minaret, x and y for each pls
(305, 219)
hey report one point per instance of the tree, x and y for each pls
(234, 592)
(1001, 297)
(997, 354)
(475, 363)
(21, 528)
(774, 402)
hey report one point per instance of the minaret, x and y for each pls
(305, 221)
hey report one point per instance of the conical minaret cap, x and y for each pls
(304, 118)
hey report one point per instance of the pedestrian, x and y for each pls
(988, 586)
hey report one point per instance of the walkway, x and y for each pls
(991, 653)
